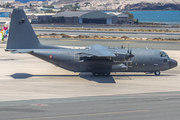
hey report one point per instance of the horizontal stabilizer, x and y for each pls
(22, 51)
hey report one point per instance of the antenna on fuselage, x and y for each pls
(128, 48)
(122, 47)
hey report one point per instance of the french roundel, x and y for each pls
(50, 56)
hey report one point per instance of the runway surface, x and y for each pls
(167, 45)
(110, 33)
(32, 89)
(151, 106)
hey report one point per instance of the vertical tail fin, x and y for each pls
(21, 33)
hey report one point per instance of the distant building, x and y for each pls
(35, 3)
(43, 18)
(40, 18)
(70, 16)
(95, 17)
(53, 0)
(21, 6)
(80, 17)
(122, 18)
(49, 2)
(114, 18)
(6, 1)
(45, 9)
(25, 1)
(5, 12)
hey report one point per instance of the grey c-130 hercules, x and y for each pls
(98, 59)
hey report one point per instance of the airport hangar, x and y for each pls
(94, 17)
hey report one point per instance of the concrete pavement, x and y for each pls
(32, 89)
(110, 33)
(25, 77)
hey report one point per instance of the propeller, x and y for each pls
(128, 50)
(130, 54)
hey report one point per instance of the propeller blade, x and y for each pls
(130, 54)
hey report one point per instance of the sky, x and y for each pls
(25, 1)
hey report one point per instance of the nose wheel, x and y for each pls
(157, 73)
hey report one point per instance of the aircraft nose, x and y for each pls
(172, 63)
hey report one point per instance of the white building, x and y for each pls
(6, 1)
(120, 15)
(53, 0)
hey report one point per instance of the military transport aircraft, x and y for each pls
(98, 59)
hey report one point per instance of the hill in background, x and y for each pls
(118, 5)
(125, 4)
(25, 1)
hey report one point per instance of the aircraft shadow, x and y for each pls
(87, 76)
(99, 79)
(26, 75)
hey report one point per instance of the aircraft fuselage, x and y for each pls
(98, 59)
(144, 60)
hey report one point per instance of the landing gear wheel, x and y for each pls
(157, 73)
(106, 74)
(95, 74)
(103, 74)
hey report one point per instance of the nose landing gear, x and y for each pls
(157, 73)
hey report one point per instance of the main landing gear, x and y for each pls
(103, 74)
(157, 73)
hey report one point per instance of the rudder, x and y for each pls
(21, 33)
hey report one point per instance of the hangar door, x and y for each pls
(97, 21)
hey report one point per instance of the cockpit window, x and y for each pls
(163, 54)
(88, 48)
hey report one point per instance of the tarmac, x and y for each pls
(22, 75)
(34, 89)
(129, 27)
(175, 35)
(162, 45)
(156, 106)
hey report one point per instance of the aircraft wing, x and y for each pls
(96, 51)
